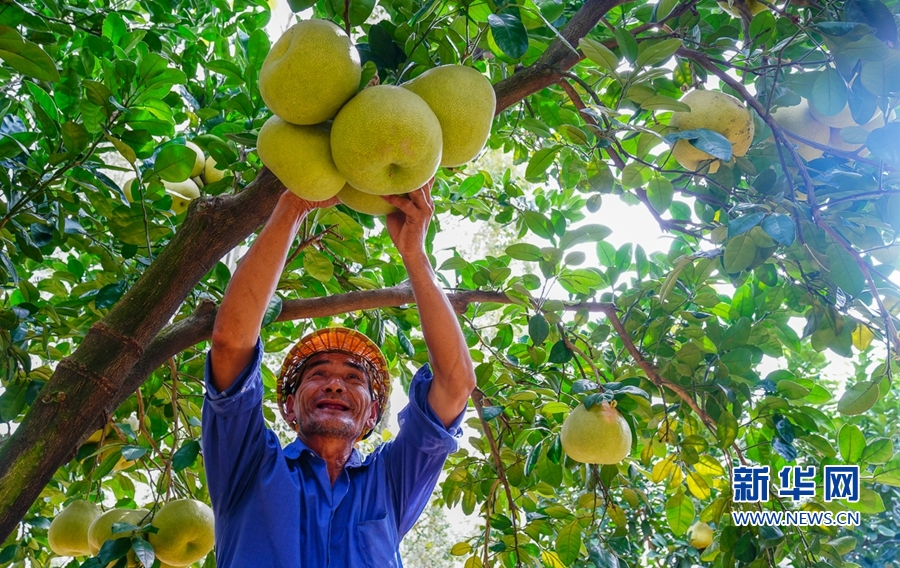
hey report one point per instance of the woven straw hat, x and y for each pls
(341, 340)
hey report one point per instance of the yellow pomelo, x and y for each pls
(186, 532)
(714, 111)
(386, 141)
(700, 535)
(754, 7)
(800, 121)
(364, 202)
(212, 174)
(599, 435)
(101, 529)
(182, 192)
(96, 436)
(199, 161)
(310, 72)
(68, 534)
(127, 188)
(464, 102)
(300, 156)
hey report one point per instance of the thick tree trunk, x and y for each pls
(121, 350)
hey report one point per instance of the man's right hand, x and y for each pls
(251, 288)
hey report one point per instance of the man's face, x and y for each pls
(333, 399)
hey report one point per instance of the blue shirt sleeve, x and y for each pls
(415, 458)
(234, 435)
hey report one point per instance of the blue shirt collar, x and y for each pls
(296, 448)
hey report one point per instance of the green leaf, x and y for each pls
(870, 502)
(108, 295)
(858, 398)
(509, 33)
(602, 557)
(112, 550)
(704, 139)
(829, 93)
(318, 265)
(75, 136)
(461, 549)
(599, 54)
(726, 429)
(739, 253)
(781, 228)
(568, 543)
(143, 550)
(12, 401)
(660, 193)
(174, 162)
(131, 452)
(882, 142)
(538, 224)
(680, 512)
(743, 224)
(524, 251)
(26, 57)
(663, 102)
(539, 163)
(257, 48)
(538, 329)
(491, 412)
(878, 451)
(633, 175)
(627, 44)
(584, 234)
(273, 310)
(186, 455)
(844, 270)
(651, 53)
(851, 443)
(300, 5)
(559, 353)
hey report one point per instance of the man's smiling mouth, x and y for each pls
(332, 405)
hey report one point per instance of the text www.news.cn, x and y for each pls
(795, 518)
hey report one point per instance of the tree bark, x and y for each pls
(121, 350)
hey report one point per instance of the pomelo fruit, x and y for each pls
(719, 112)
(800, 121)
(597, 435)
(186, 532)
(364, 202)
(386, 141)
(68, 534)
(300, 156)
(464, 102)
(310, 72)
(700, 535)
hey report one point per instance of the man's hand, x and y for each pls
(409, 225)
(305, 205)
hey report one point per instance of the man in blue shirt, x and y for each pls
(316, 502)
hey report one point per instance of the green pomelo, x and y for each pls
(464, 102)
(199, 161)
(212, 174)
(68, 534)
(596, 435)
(186, 532)
(364, 202)
(310, 72)
(714, 111)
(101, 529)
(182, 192)
(800, 121)
(300, 156)
(386, 141)
(700, 535)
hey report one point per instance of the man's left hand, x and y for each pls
(409, 224)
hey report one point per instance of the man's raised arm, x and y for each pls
(251, 288)
(454, 377)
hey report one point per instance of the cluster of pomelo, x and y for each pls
(185, 530)
(330, 137)
(183, 192)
